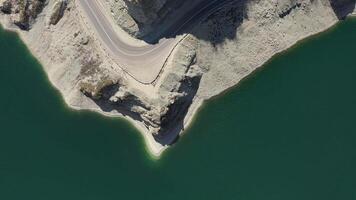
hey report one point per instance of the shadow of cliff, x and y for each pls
(343, 7)
(221, 17)
(173, 123)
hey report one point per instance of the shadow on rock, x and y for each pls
(103, 101)
(224, 22)
(343, 7)
(173, 122)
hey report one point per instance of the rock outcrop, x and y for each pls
(145, 11)
(57, 11)
(24, 11)
(148, 18)
(160, 113)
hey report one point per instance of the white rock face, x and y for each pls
(215, 55)
(57, 11)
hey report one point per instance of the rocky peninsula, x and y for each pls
(204, 47)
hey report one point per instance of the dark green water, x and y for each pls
(286, 133)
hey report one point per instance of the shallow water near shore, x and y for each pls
(286, 132)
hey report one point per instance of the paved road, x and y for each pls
(143, 63)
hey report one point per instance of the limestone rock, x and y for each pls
(26, 11)
(57, 11)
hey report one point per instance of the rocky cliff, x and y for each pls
(145, 19)
(146, 11)
(25, 11)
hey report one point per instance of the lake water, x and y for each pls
(288, 132)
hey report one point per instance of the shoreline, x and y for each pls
(198, 104)
(151, 147)
(154, 149)
(279, 53)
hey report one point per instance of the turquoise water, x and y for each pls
(286, 132)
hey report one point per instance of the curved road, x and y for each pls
(143, 63)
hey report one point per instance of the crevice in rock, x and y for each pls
(289, 10)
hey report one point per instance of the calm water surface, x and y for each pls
(286, 133)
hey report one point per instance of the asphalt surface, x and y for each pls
(143, 63)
